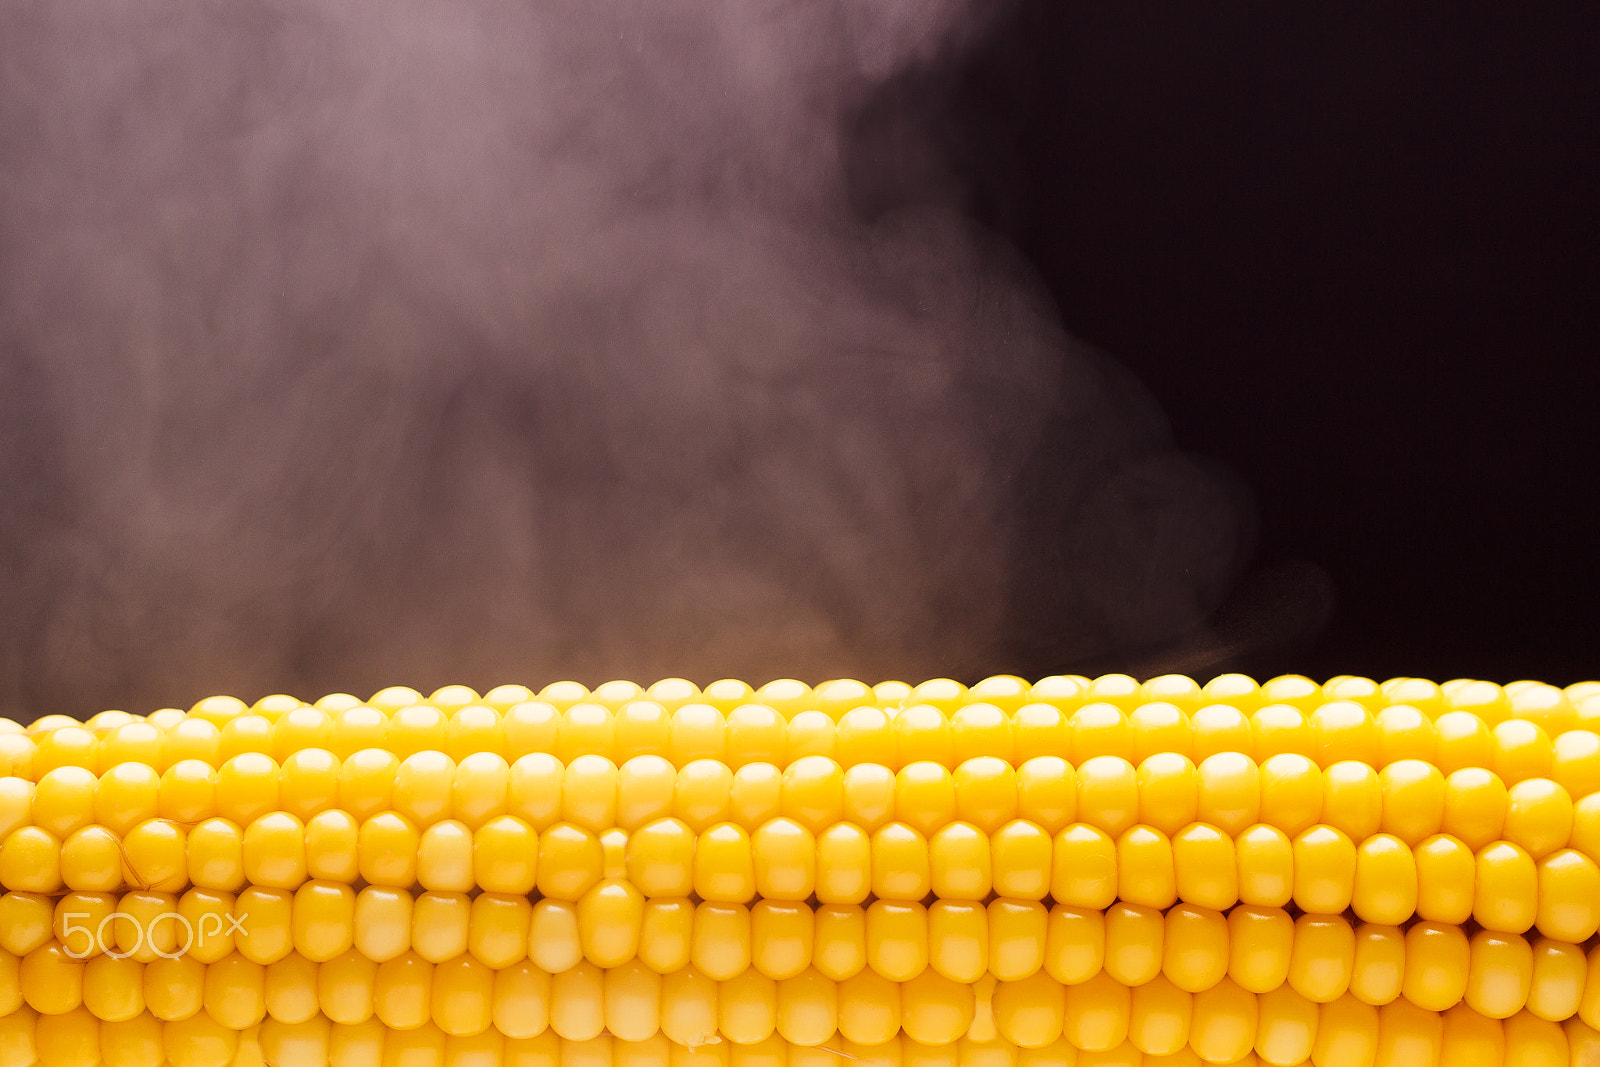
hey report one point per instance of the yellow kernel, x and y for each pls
(755, 794)
(609, 918)
(1521, 750)
(402, 992)
(1322, 958)
(1021, 860)
(585, 729)
(1223, 1026)
(63, 800)
(897, 939)
(1352, 799)
(1220, 728)
(702, 794)
(1568, 896)
(785, 857)
(1532, 1041)
(331, 846)
(570, 861)
(1261, 945)
(1576, 762)
(1464, 740)
(16, 755)
(1324, 870)
(1555, 991)
(498, 927)
(415, 728)
(645, 787)
(210, 918)
(1134, 943)
(1195, 947)
(1446, 872)
(1084, 868)
(1158, 1017)
(697, 731)
(1282, 729)
(864, 736)
(925, 796)
(463, 997)
(216, 855)
(1267, 868)
(521, 1001)
(76, 923)
(1169, 792)
(267, 915)
(440, 925)
(900, 864)
(1293, 689)
(724, 865)
(197, 1040)
(1499, 975)
(1206, 867)
(810, 733)
(174, 989)
(868, 795)
(1475, 805)
(324, 920)
(666, 934)
(422, 786)
(1145, 873)
(275, 851)
(1506, 888)
(1378, 970)
(1108, 793)
(986, 792)
(812, 792)
(1543, 705)
(1230, 792)
(289, 989)
(1037, 731)
(16, 804)
(1047, 793)
(1363, 691)
(1539, 816)
(386, 850)
(247, 787)
(985, 731)
(65, 746)
(958, 939)
(533, 791)
(756, 734)
(1405, 733)
(356, 729)
(247, 733)
(1347, 1032)
(1437, 960)
(309, 782)
(869, 1009)
(844, 864)
(1286, 1026)
(1413, 800)
(30, 861)
(91, 859)
(1100, 729)
(1097, 1014)
(300, 728)
(1018, 930)
(564, 694)
(134, 1042)
(133, 742)
(1157, 728)
(1385, 886)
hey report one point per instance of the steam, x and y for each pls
(348, 344)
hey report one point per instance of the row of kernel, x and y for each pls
(1222, 1023)
(1433, 964)
(1503, 886)
(79, 1040)
(1410, 799)
(892, 735)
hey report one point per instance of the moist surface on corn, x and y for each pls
(1066, 871)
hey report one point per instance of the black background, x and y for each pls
(1353, 250)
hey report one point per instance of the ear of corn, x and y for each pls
(1069, 871)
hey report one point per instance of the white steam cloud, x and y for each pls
(348, 344)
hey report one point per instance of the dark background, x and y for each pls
(1352, 250)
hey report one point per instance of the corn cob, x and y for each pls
(1105, 859)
